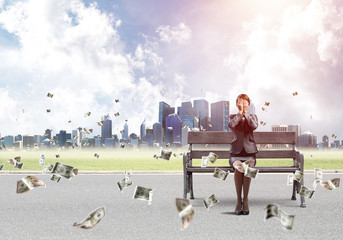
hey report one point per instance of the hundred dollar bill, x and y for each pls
(318, 173)
(210, 201)
(126, 181)
(238, 166)
(1, 166)
(298, 175)
(55, 177)
(304, 191)
(15, 162)
(250, 172)
(28, 183)
(42, 159)
(92, 219)
(63, 170)
(204, 161)
(335, 181)
(220, 173)
(315, 183)
(212, 157)
(272, 211)
(286, 220)
(143, 193)
(48, 168)
(185, 210)
(328, 185)
(164, 154)
(290, 179)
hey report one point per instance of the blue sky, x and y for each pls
(90, 52)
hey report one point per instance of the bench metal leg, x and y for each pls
(294, 190)
(302, 198)
(185, 185)
(191, 185)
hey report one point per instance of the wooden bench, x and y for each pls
(262, 138)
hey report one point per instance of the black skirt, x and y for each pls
(242, 156)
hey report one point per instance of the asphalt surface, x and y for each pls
(49, 213)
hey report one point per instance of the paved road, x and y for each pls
(49, 213)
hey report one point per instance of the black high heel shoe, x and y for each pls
(245, 212)
(239, 212)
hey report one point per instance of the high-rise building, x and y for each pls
(296, 129)
(143, 132)
(220, 116)
(18, 138)
(202, 106)
(62, 138)
(106, 128)
(125, 135)
(28, 142)
(184, 136)
(157, 132)
(75, 137)
(8, 141)
(37, 139)
(168, 138)
(307, 139)
(174, 121)
(337, 144)
(185, 109)
(163, 111)
(191, 121)
(325, 141)
(47, 133)
(279, 128)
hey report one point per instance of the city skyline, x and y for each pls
(89, 53)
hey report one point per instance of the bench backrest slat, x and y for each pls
(195, 154)
(211, 137)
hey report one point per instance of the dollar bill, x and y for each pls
(273, 210)
(63, 170)
(239, 166)
(48, 168)
(204, 161)
(304, 191)
(55, 177)
(210, 201)
(290, 179)
(92, 219)
(96, 155)
(28, 183)
(15, 162)
(298, 175)
(42, 159)
(143, 193)
(125, 182)
(249, 172)
(165, 154)
(335, 181)
(122, 145)
(315, 183)
(1, 166)
(220, 173)
(18, 165)
(318, 173)
(212, 157)
(328, 185)
(75, 172)
(185, 210)
(286, 220)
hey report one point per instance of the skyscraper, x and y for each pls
(157, 132)
(47, 134)
(279, 128)
(173, 121)
(163, 111)
(106, 128)
(168, 138)
(125, 135)
(307, 139)
(202, 106)
(296, 129)
(220, 116)
(185, 109)
(325, 141)
(62, 138)
(143, 132)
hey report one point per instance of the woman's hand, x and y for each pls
(245, 107)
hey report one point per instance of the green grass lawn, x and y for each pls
(142, 160)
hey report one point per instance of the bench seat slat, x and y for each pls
(212, 137)
(197, 154)
(278, 169)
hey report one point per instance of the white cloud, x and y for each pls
(296, 55)
(76, 53)
(181, 33)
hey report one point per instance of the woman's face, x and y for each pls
(243, 103)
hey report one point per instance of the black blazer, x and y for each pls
(243, 132)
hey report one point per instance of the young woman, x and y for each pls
(243, 148)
